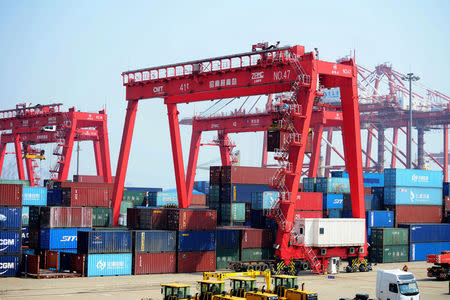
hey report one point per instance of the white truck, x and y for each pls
(396, 285)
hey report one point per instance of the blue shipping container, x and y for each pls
(104, 242)
(25, 215)
(227, 238)
(163, 198)
(446, 188)
(372, 202)
(334, 213)
(332, 185)
(264, 200)
(189, 241)
(412, 177)
(420, 233)
(309, 184)
(59, 238)
(380, 218)
(10, 218)
(153, 241)
(9, 265)
(369, 179)
(240, 192)
(347, 214)
(333, 201)
(108, 264)
(202, 186)
(10, 242)
(54, 197)
(36, 196)
(412, 196)
(25, 236)
(419, 251)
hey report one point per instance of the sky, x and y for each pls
(74, 52)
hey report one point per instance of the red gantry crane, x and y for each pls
(28, 125)
(267, 71)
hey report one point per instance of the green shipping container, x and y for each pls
(252, 254)
(233, 212)
(214, 193)
(101, 217)
(224, 256)
(13, 181)
(381, 237)
(125, 205)
(389, 254)
(138, 198)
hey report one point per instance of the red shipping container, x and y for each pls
(309, 201)
(215, 172)
(447, 203)
(90, 178)
(191, 219)
(54, 217)
(257, 238)
(198, 199)
(416, 214)
(247, 175)
(308, 214)
(86, 196)
(10, 195)
(154, 263)
(189, 262)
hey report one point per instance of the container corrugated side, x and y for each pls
(264, 200)
(332, 185)
(54, 197)
(11, 195)
(369, 179)
(191, 219)
(108, 264)
(309, 184)
(104, 242)
(417, 213)
(101, 217)
(10, 218)
(426, 233)
(389, 254)
(412, 178)
(381, 237)
(257, 238)
(240, 192)
(189, 262)
(225, 256)
(247, 175)
(9, 265)
(412, 196)
(232, 212)
(227, 238)
(154, 263)
(151, 241)
(419, 251)
(65, 217)
(380, 218)
(58, 238)
(36, 196)
(254, 254)
(192, 241)
(10, 241)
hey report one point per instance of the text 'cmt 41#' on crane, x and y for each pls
(266, 70)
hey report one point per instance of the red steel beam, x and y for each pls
(328, 151)
(19, 159)
(315, 155)
(394, 147)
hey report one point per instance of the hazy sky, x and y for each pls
(74, 52)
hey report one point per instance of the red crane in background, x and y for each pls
(286, 69)
(28, 125)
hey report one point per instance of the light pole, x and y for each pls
(410, 77)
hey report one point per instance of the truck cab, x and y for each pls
(175, 291)
(396, 285)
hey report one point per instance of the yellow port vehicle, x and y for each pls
(286, 288)
(175, 291)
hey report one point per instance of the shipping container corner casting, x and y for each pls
(266, 71)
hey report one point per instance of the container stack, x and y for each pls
(256, 244)
(333, 205)
(378, 219)
(427, 239)
(10, 238)
(446, 204)
(388, 245)
(106, 253)
(414, 195)
(228, 248)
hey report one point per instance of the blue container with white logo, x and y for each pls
(380, 218)
(25, 236)
(153, 241)
(227, 238)
(59, 238)
(264, 200)
(333, 201)
(9, 265)
(54, 197)
(426, 233)
(34, 196)
(108, 264)
(412, 196)
(104, 242)
(10, 242)
(10, 218)
(413, 178)
(332, 185)
(419, 251)
(189, 241)
(163, 198)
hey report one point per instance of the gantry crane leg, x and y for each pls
(19, 158)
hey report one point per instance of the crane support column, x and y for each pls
(177, 155)
(98, 159)
(104, 150)
(420, 145)
(264, 151)
(224, 143)
(394, 147)
(67, 152)
(408, 148)
(19, 159)
(368, 149)
(124, 155)
(381, 138)
(315, 155)
(445, 153)
(328, 153)
(2, 156)
(29, 166)
(192, 163)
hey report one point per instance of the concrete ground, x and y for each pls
(147, 286)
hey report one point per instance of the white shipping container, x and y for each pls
(330, 232)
